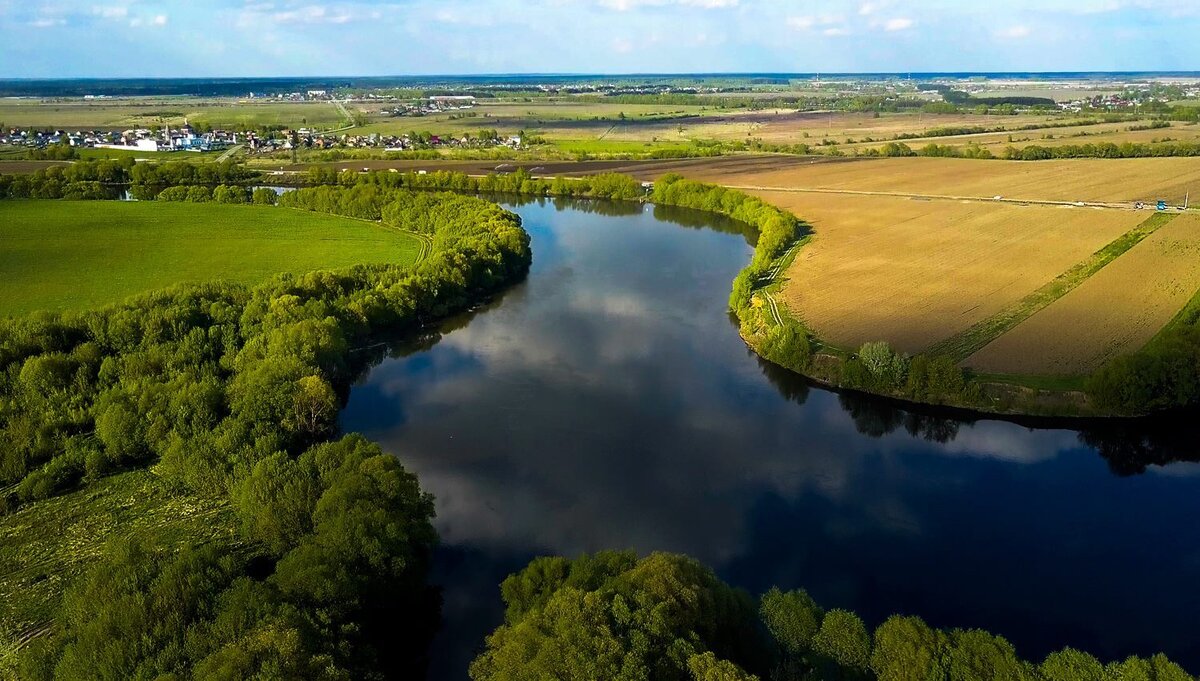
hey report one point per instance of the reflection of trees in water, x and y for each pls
(875, 418)
(791, 385)
(698, 219)
(1130, 447)
(411, 342)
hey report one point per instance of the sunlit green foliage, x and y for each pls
(611, 616)
(233, 391)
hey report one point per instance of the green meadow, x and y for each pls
(71, 255)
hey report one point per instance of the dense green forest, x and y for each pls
(231, 395)
(668, 618)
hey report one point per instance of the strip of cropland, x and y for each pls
(60, 255)
(1116, 311)
(971, 340)
(914, 272)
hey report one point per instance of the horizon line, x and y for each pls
(654, 74)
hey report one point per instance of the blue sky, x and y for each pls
(113, 38)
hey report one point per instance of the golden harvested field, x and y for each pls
(1093, 180)
(914, 272)
(1116, 311)
(813, 127)
(996, 142)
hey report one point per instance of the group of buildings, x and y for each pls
(307, 139)
(138, 139)
(432, 105)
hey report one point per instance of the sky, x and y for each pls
(148, 38)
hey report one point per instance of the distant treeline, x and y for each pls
(82, 180)
(1103, 150)
(103, 178)
(232, 394)
(959, 98)
(667, 617)
(601, 186)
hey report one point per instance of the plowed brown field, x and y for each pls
(1116, 311)
(914, 272)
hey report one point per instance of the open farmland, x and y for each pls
(146, 111)
(841, 127)
(1116, 311)
(1092, 180)
(913, 272)
(61, 255)
(1100, 133)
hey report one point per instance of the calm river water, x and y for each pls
(608, 403)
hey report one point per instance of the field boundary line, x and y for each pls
(962, 345)
(935, 197)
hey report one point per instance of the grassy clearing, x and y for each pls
(191, 156)
(60, 255)
(962, 345)
(45, 545)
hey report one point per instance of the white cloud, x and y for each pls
(160, 20)
(1014, 32)
(626, 5)
(834, 32)
(310, 14)
(110, 11)
(829, 22)
(46, 22)
(898, 24)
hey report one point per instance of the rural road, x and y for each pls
(229, 154)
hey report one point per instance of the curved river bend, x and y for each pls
(608, 402)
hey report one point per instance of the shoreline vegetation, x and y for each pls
(228, 395)
(1161, 376)
(598, 616)
(223, 399)
(1156, 378)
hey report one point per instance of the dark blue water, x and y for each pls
(607, 402)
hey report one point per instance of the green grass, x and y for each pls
(966, 343)
(599, 146)
(59, 255)
(193, 156)
(1054, 383)
(45, 545)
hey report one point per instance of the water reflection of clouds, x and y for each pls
(597, 409)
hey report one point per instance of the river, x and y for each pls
(607, 402)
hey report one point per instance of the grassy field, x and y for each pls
(916, 272)
(43, 546)
(147, 111)
(1116, 311)
(72, 255)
